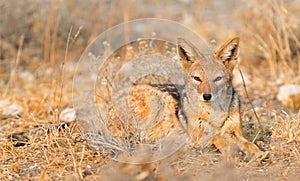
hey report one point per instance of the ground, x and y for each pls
(41, 42)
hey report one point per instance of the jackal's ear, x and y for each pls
(228, 53)
(186, 52)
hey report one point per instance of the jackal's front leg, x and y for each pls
(231, 134)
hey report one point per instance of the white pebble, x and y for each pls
(285, 91)
(27, 76)
(33, 166)
(10, 109)
(68, 115)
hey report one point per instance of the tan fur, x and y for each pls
(210, 105)
(153, 113)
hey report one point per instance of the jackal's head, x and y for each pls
(208, 77)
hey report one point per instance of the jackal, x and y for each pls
(208, 104)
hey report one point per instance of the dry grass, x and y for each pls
(41, 42)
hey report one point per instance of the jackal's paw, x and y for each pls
(261, 157)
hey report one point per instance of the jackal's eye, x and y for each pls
(218, 78)
(196, 78)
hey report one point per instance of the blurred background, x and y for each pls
(269, 30)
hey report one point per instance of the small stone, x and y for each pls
(68, 115)
(10, 109)
(27, 76)
(289, 95)
(33, 166)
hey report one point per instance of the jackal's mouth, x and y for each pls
(207, 102)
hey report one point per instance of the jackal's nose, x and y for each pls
(206, 96)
